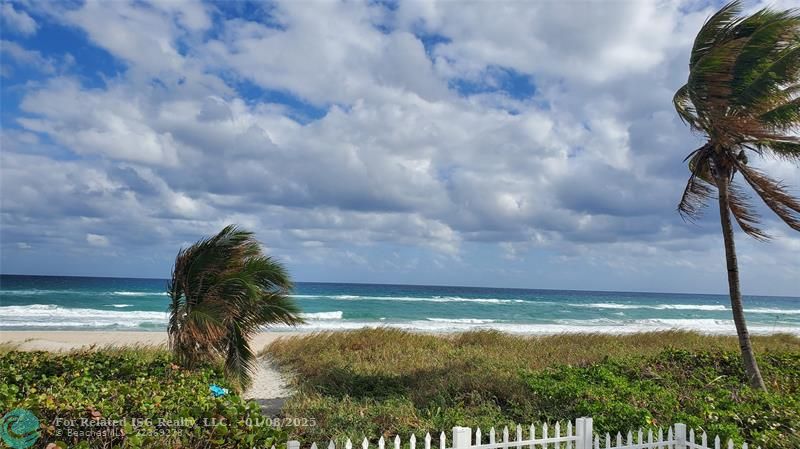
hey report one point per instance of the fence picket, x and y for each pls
(412, 441)
(381, 443)
(442, 441)
(608, 440)
(716, 442)
(519, 436)
(569, 434)
(313, 445)
(544, 435)
(730, 443)
(428, 440)
(691, 437)
(365, 443)
(505, 437)
(349, 444)
(669, 436)
(649, 438)
(478, 436)
(397, 442)
(704, 439)
(641, 436)
(491, 436)
(331, 445)
(533, 436)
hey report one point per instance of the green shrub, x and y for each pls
(137, 398)
(706, 390)
(359, 384)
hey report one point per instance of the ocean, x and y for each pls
(88, 303)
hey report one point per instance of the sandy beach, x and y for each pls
(69, 340)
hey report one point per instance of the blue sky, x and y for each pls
(513, 144)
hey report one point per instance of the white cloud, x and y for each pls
(18, 21)
(28, 58)
(97, 240)
(593, 42)
(340, 59)
(589, 169)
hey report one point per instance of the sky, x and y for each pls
(505, 144)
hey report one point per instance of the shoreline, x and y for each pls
(61, 340)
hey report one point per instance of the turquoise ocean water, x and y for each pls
(55, 302)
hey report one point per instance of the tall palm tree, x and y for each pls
(743, 95)
(223, 289)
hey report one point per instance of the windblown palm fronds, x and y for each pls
(223, 289)
(743, 94)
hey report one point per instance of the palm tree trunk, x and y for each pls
(750, 364)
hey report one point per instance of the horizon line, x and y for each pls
(425, 285)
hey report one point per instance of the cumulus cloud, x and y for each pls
(418, 150)
(22, 56)
(18, 21)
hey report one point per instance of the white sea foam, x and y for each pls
(34, 291)
(121, 306)
(414, 299)
(49, 315)
(773, 311)
(606, 305)
(337, 315)
(702, 307)
(127, 293)
(461, 320)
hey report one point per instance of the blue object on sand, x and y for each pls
(218, 391)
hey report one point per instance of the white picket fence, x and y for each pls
(577, 436)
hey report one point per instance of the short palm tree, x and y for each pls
(223, 289)
(743, 95)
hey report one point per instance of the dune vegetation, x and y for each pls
(135, 397)
(376, 382)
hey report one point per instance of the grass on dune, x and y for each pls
(367, 382)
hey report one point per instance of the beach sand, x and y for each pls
(69, 340)
(269, 386)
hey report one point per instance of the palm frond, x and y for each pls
(683, 105)
(714, 30)
(239, 358)
(742, 210)
(784, 117)
(280, 309)
(774, 194)
(770, 34)
(700, 185)
(770, 81)
(695, 198)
